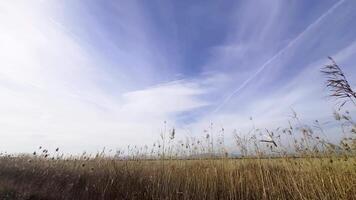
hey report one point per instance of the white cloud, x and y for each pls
(164, 99)
(51, 93)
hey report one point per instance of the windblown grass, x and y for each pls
(279, 178)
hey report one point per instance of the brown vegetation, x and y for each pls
(279, 178)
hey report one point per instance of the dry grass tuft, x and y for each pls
(337, 82)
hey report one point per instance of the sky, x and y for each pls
(83, 75)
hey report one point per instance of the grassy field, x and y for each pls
(273, 178)
(285, 163)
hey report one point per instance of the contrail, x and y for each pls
(291, 43)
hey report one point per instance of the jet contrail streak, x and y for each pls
(291, 43)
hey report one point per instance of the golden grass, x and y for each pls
(278, 178)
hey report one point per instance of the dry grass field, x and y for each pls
(273, 178)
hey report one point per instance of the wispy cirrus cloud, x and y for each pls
(292, 78)
(54, 91)
(84, 76)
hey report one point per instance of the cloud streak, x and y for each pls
(82, 76)
(280, 52)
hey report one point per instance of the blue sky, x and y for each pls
(84, 75)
